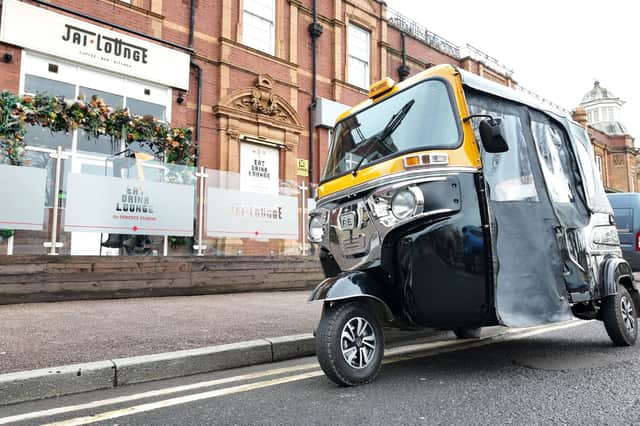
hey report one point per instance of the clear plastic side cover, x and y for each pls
(508, 173)
(596, 197)
(554, 162)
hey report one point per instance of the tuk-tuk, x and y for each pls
(452, 202)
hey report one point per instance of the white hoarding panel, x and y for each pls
(259, 168)
(232, 213)
(41, 30)
(121, 206)
(22, 192)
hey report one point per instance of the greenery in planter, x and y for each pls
(95, 117)
(177, 241)
(6, 233)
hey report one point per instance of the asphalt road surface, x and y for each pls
(565, 374)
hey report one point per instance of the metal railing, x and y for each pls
(422, 34)
(433, 40)
(478, 55)
(545, 102)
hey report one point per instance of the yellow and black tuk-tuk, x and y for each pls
(452, 202)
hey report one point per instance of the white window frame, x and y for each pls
(79, 76)
(354, 56)
(599, 164)
(251, 11)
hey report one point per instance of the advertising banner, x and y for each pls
(259, 168)
(122, 206)
(232, 213)
(22, 191)
(89, 44)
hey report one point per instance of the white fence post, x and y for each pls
(202, 176)
(10, 246)
(303, 189)
(53, 244)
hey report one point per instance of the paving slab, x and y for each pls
(41, 335)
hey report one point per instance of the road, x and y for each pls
(566, 374)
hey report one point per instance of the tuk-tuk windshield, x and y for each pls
(419, 117)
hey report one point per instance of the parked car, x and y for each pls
(626, 208)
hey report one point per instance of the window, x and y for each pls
(428, 121)
(58, 78)
(509, 173)
(596, 115)
(599, 164)
(38, 135)
(258, 25)
(624, 219)
(358, 61)
(554, 160)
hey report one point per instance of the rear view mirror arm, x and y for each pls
(478, 116)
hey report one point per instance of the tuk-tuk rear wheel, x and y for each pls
(349, 343)
(620, 317)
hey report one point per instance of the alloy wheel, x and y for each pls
(358, 342)
(628, 315)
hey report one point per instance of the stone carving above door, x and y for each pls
(261, 100)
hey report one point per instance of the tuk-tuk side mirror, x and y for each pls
(492, 135)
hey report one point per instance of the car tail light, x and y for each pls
(638, 241)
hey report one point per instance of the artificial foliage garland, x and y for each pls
(95, 117)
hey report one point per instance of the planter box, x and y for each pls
(25, 279)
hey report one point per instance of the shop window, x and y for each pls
(358, 61)
(258, 25)
(41, 136)
(76, 82)
(138, 107)
(101, 144)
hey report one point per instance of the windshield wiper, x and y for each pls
(391, 127)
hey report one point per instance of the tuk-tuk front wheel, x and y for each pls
(349, 343)
(620, 317)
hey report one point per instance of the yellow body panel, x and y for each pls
(467, 155)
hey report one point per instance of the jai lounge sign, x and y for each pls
(114, 47)
(47, 32)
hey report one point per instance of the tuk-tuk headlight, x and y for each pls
(403, 204)
(316, 229)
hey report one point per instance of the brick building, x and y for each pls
(615, 153)
(243, 73)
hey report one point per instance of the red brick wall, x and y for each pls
(10, 73)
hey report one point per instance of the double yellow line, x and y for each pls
(306, 371)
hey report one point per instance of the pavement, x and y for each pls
(54, 349)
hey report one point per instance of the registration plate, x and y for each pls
(347, 221)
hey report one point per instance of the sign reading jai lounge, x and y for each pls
(90, 44)
(104, 45)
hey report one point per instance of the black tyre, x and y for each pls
(467, 333)
(349, 344)
(620, 318)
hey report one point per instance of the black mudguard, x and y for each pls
(352, 285)
(616, 270)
